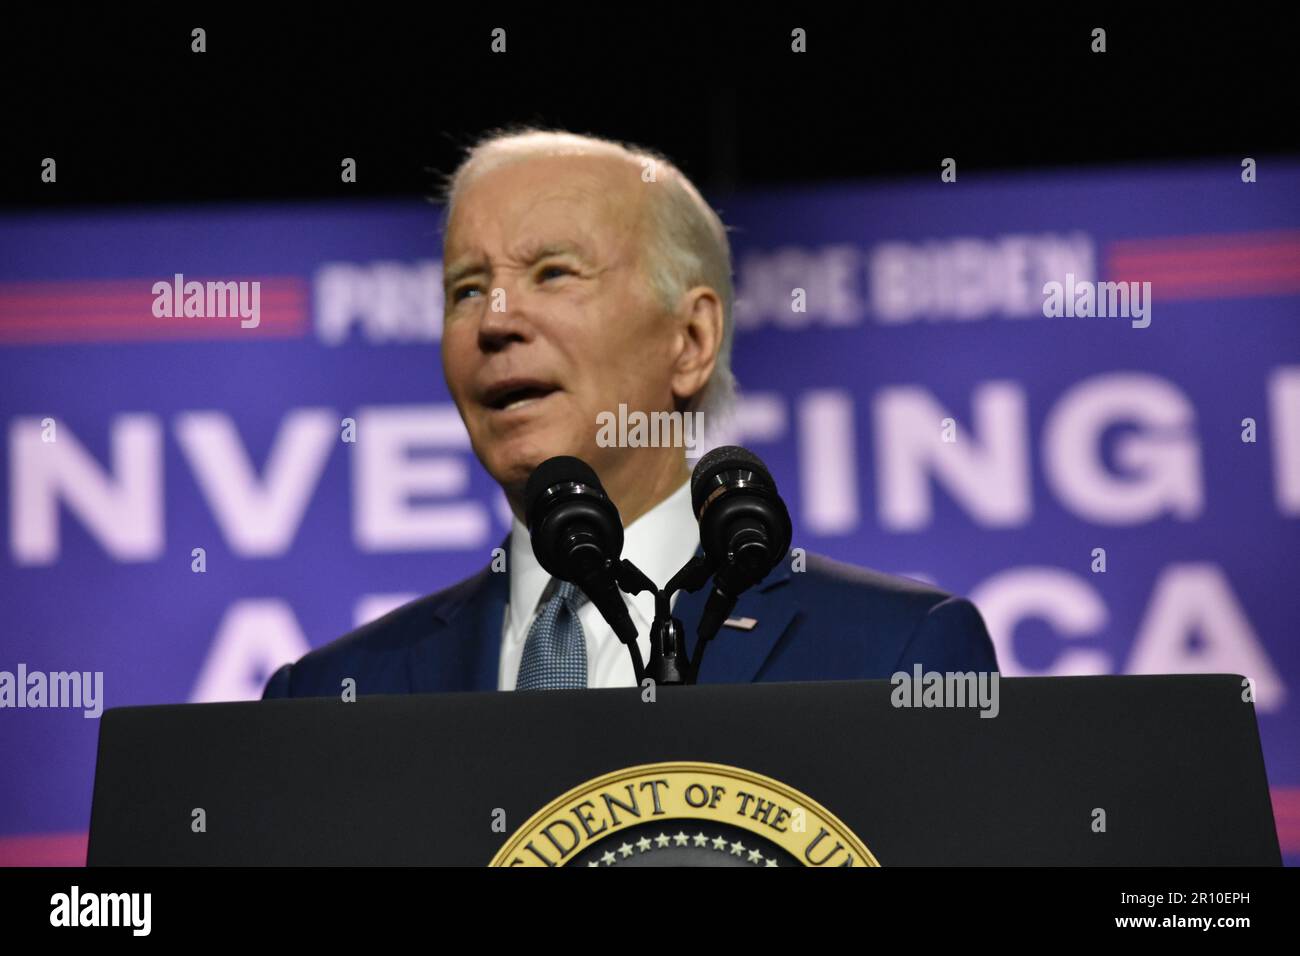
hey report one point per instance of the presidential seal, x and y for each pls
(683, 814)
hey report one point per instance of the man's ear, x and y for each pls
(698, 343)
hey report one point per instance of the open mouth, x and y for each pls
(510, 396)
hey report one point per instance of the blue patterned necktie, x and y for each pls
(555, 654)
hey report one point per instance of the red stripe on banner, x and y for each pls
(44, 849)
(121, 310)
(1228, 265)
(1286, 813)
(14, 300)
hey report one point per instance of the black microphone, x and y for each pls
(577, 535)
(744, 528)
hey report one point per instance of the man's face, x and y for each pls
(556, 245)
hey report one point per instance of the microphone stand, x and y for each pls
(668, 663)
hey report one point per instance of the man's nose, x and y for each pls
(506, 317)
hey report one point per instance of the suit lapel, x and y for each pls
(489, 614)
(461, 650)
(735, 656)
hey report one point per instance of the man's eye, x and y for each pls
(547, 271)
(458, 294)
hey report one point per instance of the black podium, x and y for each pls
(1089, 771)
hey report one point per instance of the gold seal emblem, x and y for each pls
(683, 814)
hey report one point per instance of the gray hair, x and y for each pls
(688, 243)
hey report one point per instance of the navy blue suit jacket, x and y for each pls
(830, 621)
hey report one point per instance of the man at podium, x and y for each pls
(583, 279)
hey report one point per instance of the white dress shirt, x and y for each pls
(659, 543)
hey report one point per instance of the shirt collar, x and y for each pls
(659, 543)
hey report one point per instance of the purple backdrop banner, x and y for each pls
(1109, 468)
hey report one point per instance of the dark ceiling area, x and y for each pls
(133, 116)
